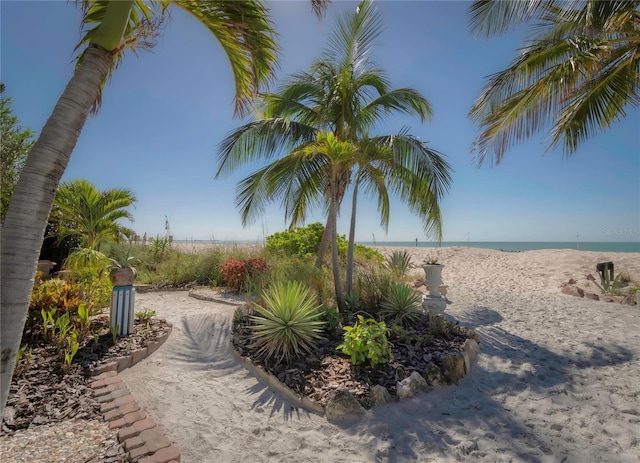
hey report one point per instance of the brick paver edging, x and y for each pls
(143, 440)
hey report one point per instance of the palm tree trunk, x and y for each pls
(352, 237)
(333, 218)
(30, 206)
(324, 243)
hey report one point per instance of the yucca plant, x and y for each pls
(399, 263)
(402, 304)
(288, 323)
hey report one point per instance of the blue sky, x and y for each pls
(164, 114)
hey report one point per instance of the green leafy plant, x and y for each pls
(48, 323)
(62, 326)
(367, 340)
(114, 332)
(145, 315)
(83, 317)
(305, 241)
(399, 263)
(20, 367)
(608, 286)
(402, 304)
(288, 323)
(71, 349)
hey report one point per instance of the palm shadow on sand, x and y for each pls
(203, 343)
(422, 426)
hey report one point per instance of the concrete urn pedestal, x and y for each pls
(434, 302)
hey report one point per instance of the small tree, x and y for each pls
(16, 143)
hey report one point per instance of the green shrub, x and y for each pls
(305, 241)
(299, 242)
(288, 323)
(402, 304)
(367, 340)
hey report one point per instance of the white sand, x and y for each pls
(557, 378)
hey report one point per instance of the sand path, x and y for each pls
(557, 380)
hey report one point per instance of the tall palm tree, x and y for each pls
(244, 31)
(578, 72)
(91, 214)
(346, 95)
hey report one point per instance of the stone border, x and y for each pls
(193, 292)
(143, 440)
(274, 383)
(455, 367)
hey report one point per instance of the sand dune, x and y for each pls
(557, 378)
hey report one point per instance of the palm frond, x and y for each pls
(247, 36)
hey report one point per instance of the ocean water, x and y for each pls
(498, 245)
(518, 246)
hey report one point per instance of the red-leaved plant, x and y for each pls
(235, 272)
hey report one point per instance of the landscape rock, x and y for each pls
(410, 386)
(342, 405)
(590, 295)
(572, 290)
(629, 300)
(433, 375)
(380, 395)
(471, 349)
(453, 367)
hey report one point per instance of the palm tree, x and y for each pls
(92, 214)
(244, 31)
(344, 94)
(577, 73)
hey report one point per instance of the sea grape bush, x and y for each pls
(366, 340)
(305, 241)
(235, 272)
(296, 242)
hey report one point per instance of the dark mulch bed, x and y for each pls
(43, 391)
(318, 375)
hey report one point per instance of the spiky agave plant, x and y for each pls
(288, 324)
(401, 304)
(399, 262)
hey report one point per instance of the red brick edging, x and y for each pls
(143, 440)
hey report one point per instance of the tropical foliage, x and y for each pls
(577, 73)
(402, 304)
(317, 128)
(16, 143)
(288, 324)
(91, 214)
(366, 341)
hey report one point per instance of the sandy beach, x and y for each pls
(557, 378)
